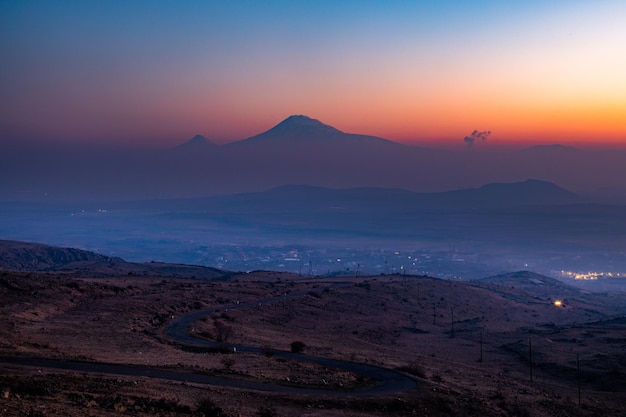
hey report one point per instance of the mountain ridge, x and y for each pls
(298, 150)
(301, 129)
(303, 198)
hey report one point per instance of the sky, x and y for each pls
(155, 73)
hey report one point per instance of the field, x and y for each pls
(498, 347)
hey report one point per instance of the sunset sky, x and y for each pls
(156, 73)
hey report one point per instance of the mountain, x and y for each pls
(300, 129)
(299, 150)
(198, 142)
(521, 216)
(490, 196)
(311, 199)
(526, 193)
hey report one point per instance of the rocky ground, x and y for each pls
(471, 346)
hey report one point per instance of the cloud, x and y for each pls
(477, 136)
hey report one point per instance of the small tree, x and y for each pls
(297, 347)
(223, 332)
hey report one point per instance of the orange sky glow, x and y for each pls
(136, 75)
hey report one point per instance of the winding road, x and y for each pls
(385, 381)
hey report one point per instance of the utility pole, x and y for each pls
(578, 376)
(530, 357)
(452, 323)
(434, 312)
(481, 346)
(419, 298)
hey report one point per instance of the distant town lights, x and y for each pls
(592, 276)
(558, 303)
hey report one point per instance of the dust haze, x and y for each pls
(304, 196)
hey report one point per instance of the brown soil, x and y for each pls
(429, 328)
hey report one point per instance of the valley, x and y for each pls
(466, 344)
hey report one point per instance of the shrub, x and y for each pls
(297, 347)
(209, 409)
(266, 411)
(413, 369)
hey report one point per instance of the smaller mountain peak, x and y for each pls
(199, 138)
(196, 142)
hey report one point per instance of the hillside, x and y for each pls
(26, 256)
(467, 346)
(531, 283)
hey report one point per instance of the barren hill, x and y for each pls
(26, 256)
(529, 282)
(468, 345)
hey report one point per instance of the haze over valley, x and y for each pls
(327, 202)
(302, 151)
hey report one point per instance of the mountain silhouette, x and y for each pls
(196, 143)
(526, 193)
(305, 198)
(298, 150)
(303, 130)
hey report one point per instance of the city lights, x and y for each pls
(591, 275)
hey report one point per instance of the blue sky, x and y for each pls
(150, 72)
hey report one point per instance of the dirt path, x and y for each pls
(386, 381)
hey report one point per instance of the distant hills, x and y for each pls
(304, 198)
(35, 257)
(532, 283)
(515, 215)
(26, 256)
(298, 150)
(527, 193)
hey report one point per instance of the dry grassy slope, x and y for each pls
(395, 314)
(532, 284)
(380, 320)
